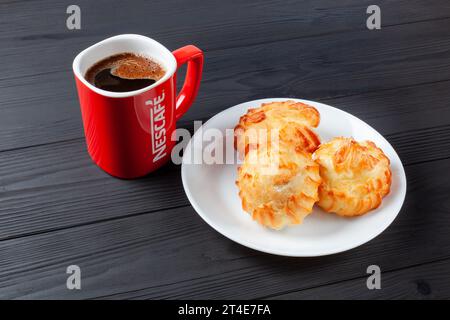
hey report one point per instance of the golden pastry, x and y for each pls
(255, 126)
(278, 185)
(355, 176)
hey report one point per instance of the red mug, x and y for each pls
(128, 134)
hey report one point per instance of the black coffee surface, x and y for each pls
(106, 81)
(124, 72)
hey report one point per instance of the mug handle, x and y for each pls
(194, 58)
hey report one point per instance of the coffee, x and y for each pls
(124, 72)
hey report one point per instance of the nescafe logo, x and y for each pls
(158, 126)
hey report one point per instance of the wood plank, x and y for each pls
(57, 186)
(219, 26)
(415, 119)
(428, 281)
(212, 24)
(395, 110)
(43, 106)
(174, 254)
(57, 208)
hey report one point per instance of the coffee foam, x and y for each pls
(127, 66)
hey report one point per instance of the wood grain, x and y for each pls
(141, 239)
(57, 186)
(174, 254)
(427, 281)
(211, 24)
(39, 104)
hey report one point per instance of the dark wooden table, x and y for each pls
(141, 238)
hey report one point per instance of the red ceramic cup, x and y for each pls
(128, 134)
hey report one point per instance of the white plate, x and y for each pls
(212, 192)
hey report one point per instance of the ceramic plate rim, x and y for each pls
(253, 246)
